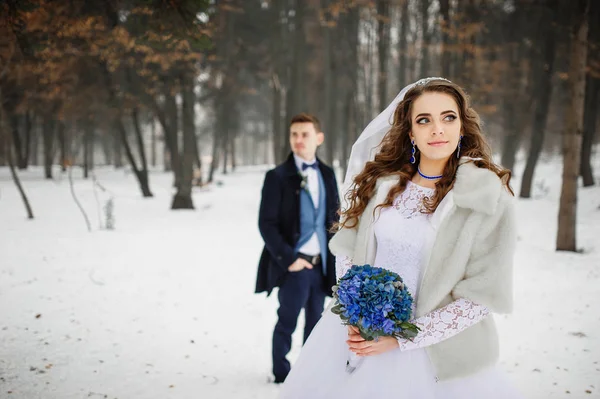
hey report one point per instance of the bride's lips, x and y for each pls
(437, 143)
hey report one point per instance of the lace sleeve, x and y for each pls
(342, 264)
(444, 323)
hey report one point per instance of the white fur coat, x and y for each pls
(470, 257)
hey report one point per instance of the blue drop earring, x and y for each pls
(414, 150)
(458, 150)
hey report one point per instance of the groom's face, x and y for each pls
(304, 140)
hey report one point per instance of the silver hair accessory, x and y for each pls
(424, 81)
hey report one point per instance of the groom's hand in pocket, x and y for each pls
(362, 347)
(299, 264)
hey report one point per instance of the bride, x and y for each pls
(425, 200)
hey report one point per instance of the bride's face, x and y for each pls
(435, 125)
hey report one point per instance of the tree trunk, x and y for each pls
(329, 106)
(592, 94)
(232, 150)
(15, 177)
(166, 158)
(153, 144)
(426, 39)
(87, 138)
(16, 140)
(276, 122)
(27, 148)
(139, 138)
(5, 143)
(347, 136)
(172, 134)
(224, 128)
(383, 35)
(183, 197)
(278, 80)
(62, 141)
(589, 127)
(118, 150)
(34, 158)
(543, 94)
(142, 177)
(215, 155)
(403, 48)
(446, 59)
(567, 215)
(48, 139)
(511, 100)
(107, 148)
(296, 94)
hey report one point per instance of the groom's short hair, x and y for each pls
(304, 117)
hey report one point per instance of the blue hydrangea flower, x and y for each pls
(376, 301)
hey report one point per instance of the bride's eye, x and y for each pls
(422, 121)
(450, 118)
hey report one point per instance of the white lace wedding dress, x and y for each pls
(320, 371)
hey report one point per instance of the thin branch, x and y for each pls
(87, 220)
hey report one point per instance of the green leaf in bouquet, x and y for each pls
(409, 330)
(337, 309)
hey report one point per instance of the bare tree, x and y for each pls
(543, 94)
(567, 214)
(5, 138)
(592, 95)
(183, 197)
(383, 44)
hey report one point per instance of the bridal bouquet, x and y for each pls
(375, 301)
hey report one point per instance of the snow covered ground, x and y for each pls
(163, 306)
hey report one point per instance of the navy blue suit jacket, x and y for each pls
(279, 223)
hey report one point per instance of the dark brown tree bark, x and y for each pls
(28, 121)
(566, 239)
(88, 132)
(215, 155)
(277, 131)
(445, 27)
(278, 80)
(17, 142)
(590, 115)
(61, 135)
(153, 144)
(140, 174)
(171, 131)
(402, 45)
(15, 177)
(329, 105)
(34, 158)
(426, 39)
(517, 101)
(5, 139)
(183, 196)
(383, 44)
(48, 125)
(543, 95)
(139, 139)
(592, 95)
(117, 150)
(296, 93)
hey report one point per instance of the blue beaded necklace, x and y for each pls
(428, 177)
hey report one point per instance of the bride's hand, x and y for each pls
(362, 347)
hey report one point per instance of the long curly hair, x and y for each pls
(394, 155)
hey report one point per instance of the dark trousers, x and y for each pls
(303, 289)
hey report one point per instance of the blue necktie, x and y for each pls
(306, 166)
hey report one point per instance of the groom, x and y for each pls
(298, 207)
